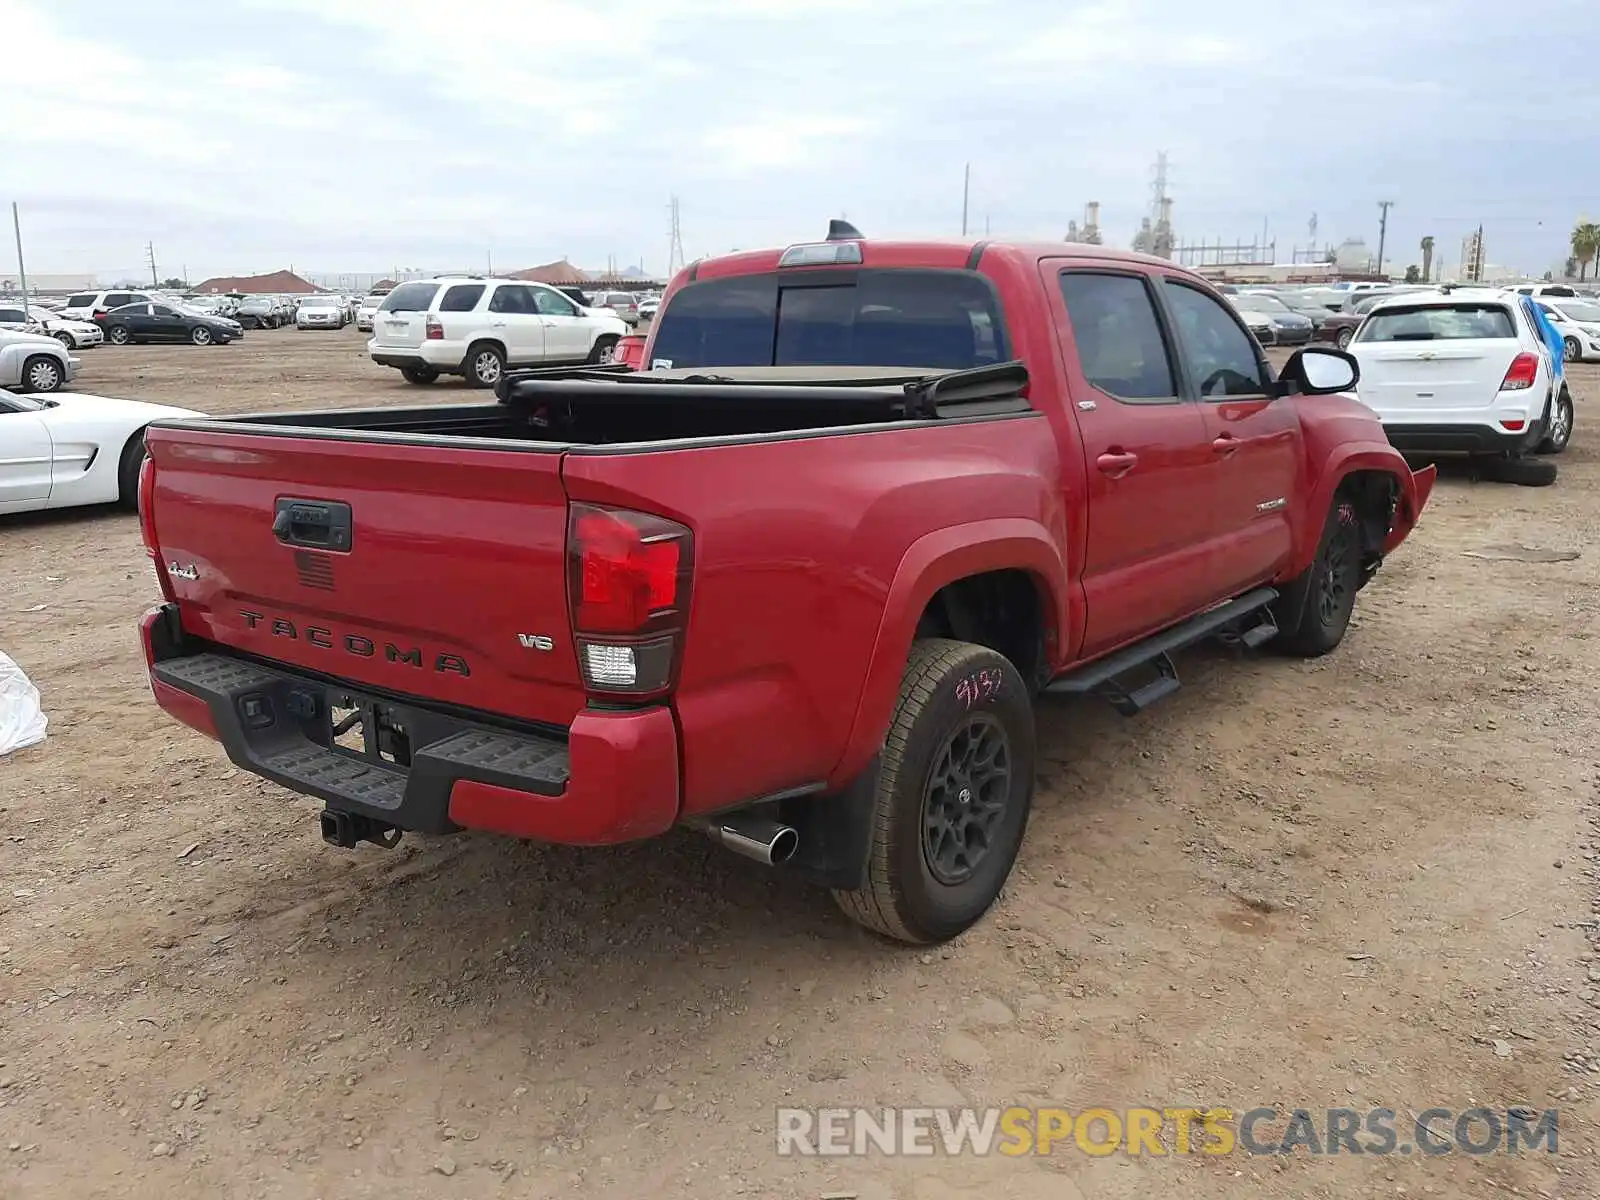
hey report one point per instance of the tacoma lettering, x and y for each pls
(354, 643)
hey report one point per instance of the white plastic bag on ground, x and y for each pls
(22, 721)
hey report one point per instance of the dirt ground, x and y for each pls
(1356, 882)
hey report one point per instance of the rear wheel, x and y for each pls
(1571, 351)
(419, 375)
(605, 349)
(1559, 431)
(953, 794)
(1325, 593)
(200, 335)
(118, 335)
(1342, 338)
(128, 472)
(485, 364)
(42, 374)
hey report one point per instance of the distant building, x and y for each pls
(12, 284)
(1472, 255)
(277, 283)
(1353, 255)
(560, 271)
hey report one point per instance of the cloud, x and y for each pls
(350, 137)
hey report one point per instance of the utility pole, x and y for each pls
(966, 192)
(1383, 228)
(1477, 264)
(675, 257)
(22, 271)
(150, 257)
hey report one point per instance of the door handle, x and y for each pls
(497, 324)
(1226, 444)
(1117, 463)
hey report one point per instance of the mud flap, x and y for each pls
(835, 833)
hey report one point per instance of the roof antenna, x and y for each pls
(842, 231)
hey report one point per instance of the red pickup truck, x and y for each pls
(798, 584)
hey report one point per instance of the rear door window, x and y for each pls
(938, 320)
(82, 300)
(1456, 322)
(410, 297)
(1118, 336)
(118, 299)
(510, 298)
(462, 297)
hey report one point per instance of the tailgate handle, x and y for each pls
(321, 524)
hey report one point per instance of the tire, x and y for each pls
(42, 373)
(1559, 432)
(1524, 472)
(128, 472)
(923, 882)
(200, 336)
(66, 339)
(118, 335)
(1325, 592)
(1571, 351)
(486, 363)
(604, 347)
(419, 375)
(1342, 338)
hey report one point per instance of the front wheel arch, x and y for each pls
(129, 463)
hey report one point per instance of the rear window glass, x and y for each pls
(944, 320)
(410, 297)
(463, 297)
(83, 300)
(1439, 324)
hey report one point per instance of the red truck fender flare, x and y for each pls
(1349, 458)
(930, 563)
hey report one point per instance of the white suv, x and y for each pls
(1462, 370)
(90, 306)
(459, 325)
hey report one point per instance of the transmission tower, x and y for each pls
(675, 256)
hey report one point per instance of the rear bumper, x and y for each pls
(1462, 439)
(611, 777)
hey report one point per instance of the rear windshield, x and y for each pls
(944, 320)
(410, 297)
(1438, 324)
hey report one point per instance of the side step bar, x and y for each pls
(1103, 677)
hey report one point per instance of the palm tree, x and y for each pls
(1585, 245)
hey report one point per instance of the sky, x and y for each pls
(365, 135)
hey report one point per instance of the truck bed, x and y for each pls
(563, 411)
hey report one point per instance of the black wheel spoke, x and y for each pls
(966, 798)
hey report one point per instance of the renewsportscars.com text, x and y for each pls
(1159, 1132)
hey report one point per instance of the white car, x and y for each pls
(32, 362)
(459, 325)
(73, 449)
(1462, 371)
(1258, 323)
(366, 310)
(319, 312)
(86, 306)
(36, 319)
(1578, 323)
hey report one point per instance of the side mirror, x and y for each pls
(1318, 371)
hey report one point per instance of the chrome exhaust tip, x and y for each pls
(768, 842)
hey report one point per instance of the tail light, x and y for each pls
(1523, 371)
(147, 524)
(628, 579)
(434, 331)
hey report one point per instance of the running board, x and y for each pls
(1104, 676)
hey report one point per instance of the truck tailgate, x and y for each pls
(452, 587)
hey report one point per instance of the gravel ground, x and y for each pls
(1364, 881)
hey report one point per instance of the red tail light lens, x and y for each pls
(1524, 370)
(434, 331)
(628, 579)
(147, 524)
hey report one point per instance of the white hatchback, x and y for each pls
(479, 327)
(1462, 370)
